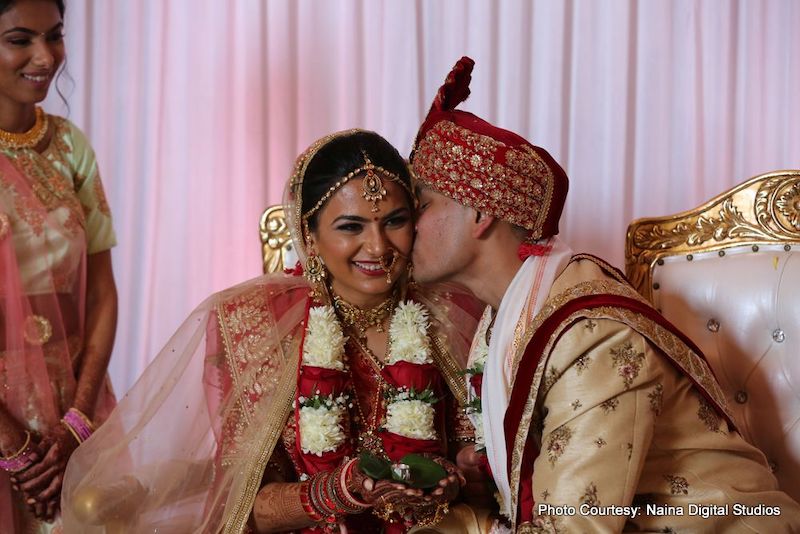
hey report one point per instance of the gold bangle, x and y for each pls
(25, 446)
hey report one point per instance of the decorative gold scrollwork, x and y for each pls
(762, 210)
(275, 239)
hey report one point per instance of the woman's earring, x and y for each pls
(315, 269)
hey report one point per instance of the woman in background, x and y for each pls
(252, 416)
(58, 301)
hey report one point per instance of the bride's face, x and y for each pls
(352, 240)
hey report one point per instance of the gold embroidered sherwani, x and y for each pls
(617, 423)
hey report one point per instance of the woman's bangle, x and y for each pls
(347, 495)
(20, 459)
(78, 424)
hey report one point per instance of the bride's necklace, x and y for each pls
(361, 320)
(28, 139)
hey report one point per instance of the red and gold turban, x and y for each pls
(485, 167)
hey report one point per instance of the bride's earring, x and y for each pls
(315, 271)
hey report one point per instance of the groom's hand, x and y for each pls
(478, 488)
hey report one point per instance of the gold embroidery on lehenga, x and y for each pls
(629, 446)
(450, 369)
(576, 404)
(678, 485)
(463, 430)
(257, 371)
(600, 442)
(628, 362)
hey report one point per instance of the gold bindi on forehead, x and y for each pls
(372, 188)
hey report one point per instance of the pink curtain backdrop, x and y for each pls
(197, 109)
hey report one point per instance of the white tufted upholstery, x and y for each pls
(743, 311)
(728, 275)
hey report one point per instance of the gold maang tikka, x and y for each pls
(372, 186)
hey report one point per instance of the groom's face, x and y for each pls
(443, 244)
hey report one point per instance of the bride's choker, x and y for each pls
(361, 320)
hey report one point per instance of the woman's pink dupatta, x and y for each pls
(41, 325)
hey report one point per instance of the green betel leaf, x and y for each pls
(425, 473)
(374, 467)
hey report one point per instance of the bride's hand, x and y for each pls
(382, 491)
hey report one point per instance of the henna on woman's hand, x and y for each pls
(41, 483)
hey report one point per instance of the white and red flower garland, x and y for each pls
(479, 352)
(322, 401)
(477, 362)
(416, 382)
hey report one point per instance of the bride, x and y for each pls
(253, 416)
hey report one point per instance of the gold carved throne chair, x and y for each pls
(728, 275)
(277, 249)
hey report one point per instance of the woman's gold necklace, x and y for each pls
(28, 139)
(361, 320)
(368, 436)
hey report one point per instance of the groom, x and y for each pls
(598, 414)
